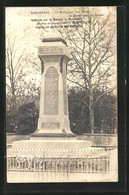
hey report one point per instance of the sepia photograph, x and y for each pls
(61, 94)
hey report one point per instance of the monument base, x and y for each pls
(58, 146)
(52, 144)
(53, 135)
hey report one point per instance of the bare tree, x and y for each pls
(28, 92)
(92, 64)
(15, 62)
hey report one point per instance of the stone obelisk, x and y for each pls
(54, 114)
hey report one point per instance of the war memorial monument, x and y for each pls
(53, 129)
(53, 147)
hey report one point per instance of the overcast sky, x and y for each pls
(20, 21)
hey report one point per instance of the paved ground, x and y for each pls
(48, 177)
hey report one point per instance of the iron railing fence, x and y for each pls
(94, 161)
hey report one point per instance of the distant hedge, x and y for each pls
(24, 120)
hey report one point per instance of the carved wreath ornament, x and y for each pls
(23, 159)
(29, 160)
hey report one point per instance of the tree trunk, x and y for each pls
(91, 114)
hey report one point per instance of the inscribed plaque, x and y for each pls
(51, 92)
